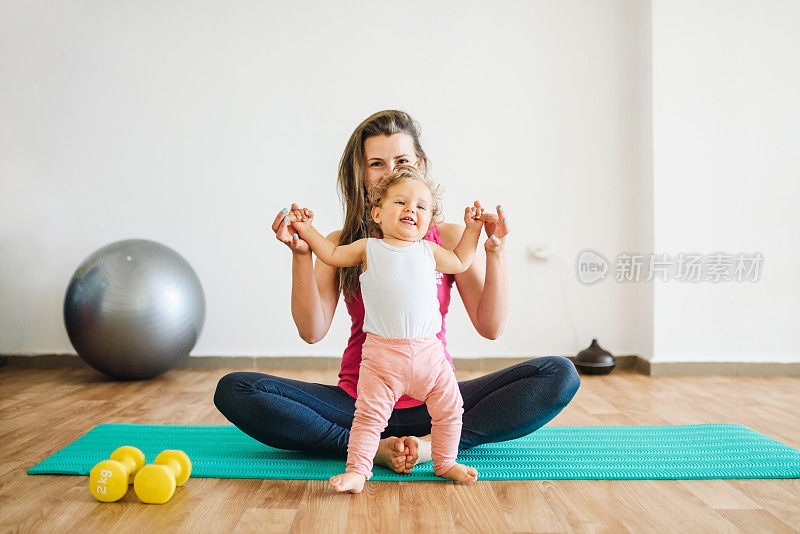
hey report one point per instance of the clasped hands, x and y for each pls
(495, 225)
(287, 222)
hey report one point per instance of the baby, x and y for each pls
(401, 354)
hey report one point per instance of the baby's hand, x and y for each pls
(473, 217)
(300, 219)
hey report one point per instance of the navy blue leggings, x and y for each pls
(303, 416)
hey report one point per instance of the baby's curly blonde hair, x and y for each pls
(402, 173)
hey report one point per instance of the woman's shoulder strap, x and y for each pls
(433, 234)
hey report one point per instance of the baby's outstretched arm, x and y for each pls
(460, 258)
(326, 250)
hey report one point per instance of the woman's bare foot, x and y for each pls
(352, 482)
(461, 473)
(392, 454)
(418, 451)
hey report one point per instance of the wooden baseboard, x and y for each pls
(724, 368)
(635, 362)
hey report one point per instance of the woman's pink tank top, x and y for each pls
(351, 360)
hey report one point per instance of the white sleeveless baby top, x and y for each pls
(399, 290)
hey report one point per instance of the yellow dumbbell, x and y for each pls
(109, 479)
(155, 483)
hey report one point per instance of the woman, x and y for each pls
(296, 415)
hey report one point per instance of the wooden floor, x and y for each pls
(42, 410)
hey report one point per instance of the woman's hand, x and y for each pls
(496, 227)
(284, 232)
(473, 216)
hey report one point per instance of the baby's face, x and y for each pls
(405, 212)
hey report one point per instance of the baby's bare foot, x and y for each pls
(391, 453)
(352, 482)
(461, 473)
(419, 451)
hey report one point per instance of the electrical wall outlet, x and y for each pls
(538, 252)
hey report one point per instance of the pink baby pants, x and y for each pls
(391, 368)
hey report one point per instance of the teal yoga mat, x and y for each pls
(550, 453)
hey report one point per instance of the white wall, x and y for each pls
(192, 123)
(726, 115)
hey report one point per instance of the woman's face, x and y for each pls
(383, 152)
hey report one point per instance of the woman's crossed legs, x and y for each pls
(295, 415)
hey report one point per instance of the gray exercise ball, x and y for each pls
(134, 309)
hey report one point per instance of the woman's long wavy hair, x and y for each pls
(352, 192)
